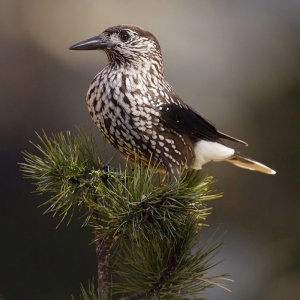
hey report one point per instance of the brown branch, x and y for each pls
(140, 295)
(103, 251)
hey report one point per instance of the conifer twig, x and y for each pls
(103, 251)
(157, 286)
(149, 227)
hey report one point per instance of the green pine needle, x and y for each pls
(89, 293)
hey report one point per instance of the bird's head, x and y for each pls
(124, 44)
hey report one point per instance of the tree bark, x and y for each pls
(103, 248)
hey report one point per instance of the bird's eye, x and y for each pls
(124, 36)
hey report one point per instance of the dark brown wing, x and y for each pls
(185, 120)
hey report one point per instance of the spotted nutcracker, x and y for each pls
(139, 112)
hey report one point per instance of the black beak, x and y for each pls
(93, 43)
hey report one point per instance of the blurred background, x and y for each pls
(235, 61)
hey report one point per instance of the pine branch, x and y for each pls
(168, 270)
(62, 168)
(144, 229)
(103, 252)
(157, 286)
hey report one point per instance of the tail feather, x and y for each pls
(250, 164)
(231, 138)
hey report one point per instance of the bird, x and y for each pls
(139, 112)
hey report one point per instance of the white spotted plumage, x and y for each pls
(137, 110)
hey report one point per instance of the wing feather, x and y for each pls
(185, 120)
